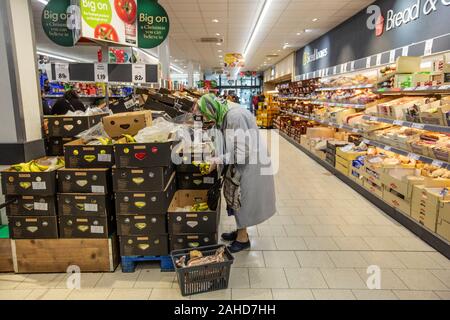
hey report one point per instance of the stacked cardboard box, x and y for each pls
(33, 214)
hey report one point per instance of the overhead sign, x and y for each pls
(59, 22)
(316, 55)
(153, 24)
(111, 21)
(234, 60)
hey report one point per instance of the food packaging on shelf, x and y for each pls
(84, 180)
(320, 132)
(146, 203)
(190, 221)
(397, 201)
(426, 202)
(78, 154)
(149, 245)
(406, 64)
(31, 206)
(443, 220)
(33, 227)
(127, 123)
(82, 204)
(141, 225)
(71, 125)
(86, 227)
(141, 179)
(401, 180)
(373, 188)
(437, 114)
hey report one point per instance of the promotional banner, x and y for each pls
(60, 22)
(109, 20)
(153, 24)
(234, 60)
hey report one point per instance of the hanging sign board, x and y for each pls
(101, 72)
(59, 22)
(138, 73)
(62, 72)
(152, 24)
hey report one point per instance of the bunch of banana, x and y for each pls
(32, 166)
(105, 141)
(203, 166)
(200, 207)
(130, 138)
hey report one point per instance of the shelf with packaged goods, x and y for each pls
(293, 98)
(363, 86)
(339, 104)
(56, 96)
(429, 90)
(414, 125)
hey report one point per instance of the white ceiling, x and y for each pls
(192, 19)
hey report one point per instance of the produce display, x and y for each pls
(39, 165)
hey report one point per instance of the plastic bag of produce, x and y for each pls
(97, 132)
(161, 131)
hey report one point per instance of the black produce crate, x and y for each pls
(31, 206)
(187, 241)
(149, 245)
(196, 181)
(203, 278)
(33, 227)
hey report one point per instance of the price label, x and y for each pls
(419, 126)
(366, 141)
(138, 73)
(91, 207)
(368, 60)
(444, 87)
(438, 163)
(341, 126)
(428, 47)
(387, 148)
(373, 119)
(62, 72)
(398, 123)
(355, 130)
(129, 104)
(352, 66)
(378, 62)
(392, 56)
(409, 89)
(101, 72)
(334, 69)
(405, 51)
(38, 185)
(38, 206)
(414, 156)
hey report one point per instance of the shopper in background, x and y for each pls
(250, 195)
(69, 102)
(45, 106)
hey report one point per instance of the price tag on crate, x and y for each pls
(418, 126)
(428, 47)
(398, 123)
(138, 73)
(414, 156)
(62, 72)
(101, 72)
(438, 163)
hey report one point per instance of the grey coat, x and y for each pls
(257, 186)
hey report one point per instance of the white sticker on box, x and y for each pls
(98, 189)
(39, 206)
(38, 185)
(373, 119)
(104, 158)
(91, 207)
(428, 47)
(129, 104)
(208, 180)
(405, 51)
(438, 163)
(97, 229)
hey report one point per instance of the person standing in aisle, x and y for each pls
(249, 193)
(69, 102)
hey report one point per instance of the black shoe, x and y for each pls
(237, 246)
(232, 236)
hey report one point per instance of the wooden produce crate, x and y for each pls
(56, 255)
(6, 259)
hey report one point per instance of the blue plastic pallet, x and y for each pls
(129, 263)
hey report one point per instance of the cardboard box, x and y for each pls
(373, 188)
(425, 205)
(29, 183)
(137, 225)
(83, 204)
(143, 155)
(37, 227)
(31, 206)
(401, 181)
(188, 241)
(71, 126)
(196, 181)
(55, 145)
(348, 155)
(396, 201)
(191, 222)
(86, 227)
(123, 105)
(127, 123)
(79, 155)
(149, 245)
(373, 173)
(408, 64)
(141, 180)
(342, 166)
(84, 180)
(146, 203)
(443, 220)
(304, 142)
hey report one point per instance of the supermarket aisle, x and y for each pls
(318, 246)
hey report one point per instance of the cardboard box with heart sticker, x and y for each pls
(143, 155)
(150, 245)
(79, 155)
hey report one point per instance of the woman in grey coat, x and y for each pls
(249, 183)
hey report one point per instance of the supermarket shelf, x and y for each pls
(415, 125)
(411, 155)
(60, 96)
(339, 104)
(364, 86)
(416, 91)
(294, 98)
(434, 240)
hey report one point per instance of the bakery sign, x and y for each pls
(396, 19)
(315, 55)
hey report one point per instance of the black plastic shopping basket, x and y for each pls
(203, 278)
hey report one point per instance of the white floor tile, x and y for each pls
(280, 259)
(291, 243)
(292, 294)
(314, 259)
(251, 294)
(249, 259)
(130, 294)
(332, 294)
(374, 295)
(343, 279)
(351, 243)
(305, 278)
(420, 280)
(347, 259)
(321, 243)
(416, 295)
(268, 278)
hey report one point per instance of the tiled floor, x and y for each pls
(318, 246)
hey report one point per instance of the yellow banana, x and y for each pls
(34, 167)
(41, 167)
(130, 138)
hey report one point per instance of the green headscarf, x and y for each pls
(212, 108)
